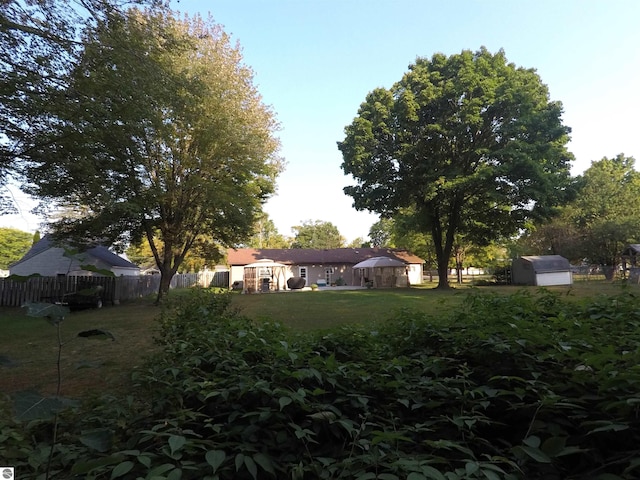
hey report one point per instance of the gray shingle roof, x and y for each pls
(547, 263)
(310, 256)
(100, 252)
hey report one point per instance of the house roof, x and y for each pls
(311, 256)
(548, 263)
(100, 252)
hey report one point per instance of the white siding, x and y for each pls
(553, 278)
(125, 272)
(415, 273)
(49, 263)
(236, 274)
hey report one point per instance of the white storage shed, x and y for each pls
(541, 271)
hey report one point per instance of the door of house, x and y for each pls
(302, 272)
(328, 274)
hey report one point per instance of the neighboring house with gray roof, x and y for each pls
(323, 266)
(49, 260)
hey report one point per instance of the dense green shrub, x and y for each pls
(526, 386)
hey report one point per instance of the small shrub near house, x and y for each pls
(506, 387)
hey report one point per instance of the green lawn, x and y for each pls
(28, 346)
(328, 308)
(325, 309)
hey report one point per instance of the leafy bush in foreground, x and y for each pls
(506, 387)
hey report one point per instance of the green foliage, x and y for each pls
(40, 42)
(13, 245)
(600, 221)
(470, 144)
(605, 211)
(381, 233)
(162, 136)
(525, 386)
(266, 235)
(317, 234)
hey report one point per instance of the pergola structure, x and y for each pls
(264, 276)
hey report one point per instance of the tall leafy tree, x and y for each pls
(471, 142)
(266, 235)
(381, 233)
(13, 245)
(317, 234)
(559, 236)
(606, 211)
(597, 225)
(358, 242)
(40, 42)
(163, 137)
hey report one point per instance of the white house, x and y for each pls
(49, 260)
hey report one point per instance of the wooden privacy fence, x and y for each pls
(14, 293)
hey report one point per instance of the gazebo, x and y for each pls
(382, 272)
(264, 276)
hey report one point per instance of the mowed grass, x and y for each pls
(29, 349)
(29, 346)
(322, 309)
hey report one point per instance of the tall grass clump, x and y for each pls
(527, 386)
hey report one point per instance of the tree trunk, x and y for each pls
(609, 272)
(442, 259)
(443, 272)
(165, 282)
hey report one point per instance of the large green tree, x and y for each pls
(601, 220)
(163, 137)
(381, 233)
(266, 235)
(470, 142)
(606, 211)
(13, 245)
(558, 236)
(40, 42)
(317, 234)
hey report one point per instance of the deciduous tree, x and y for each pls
(40, 42)
(13, 245)
(163, 137)
(381, 233)
(470, 142)
(606, 211)
(317, 234)
(266, 235)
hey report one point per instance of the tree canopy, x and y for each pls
(266, 235)
(163, 136)
(471, 143)
(40, 42)
(601, 220)
(14, 244)
(317, 234)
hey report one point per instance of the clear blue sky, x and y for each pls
(315, 61)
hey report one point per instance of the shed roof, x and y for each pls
(547, 263)
(308, 256)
